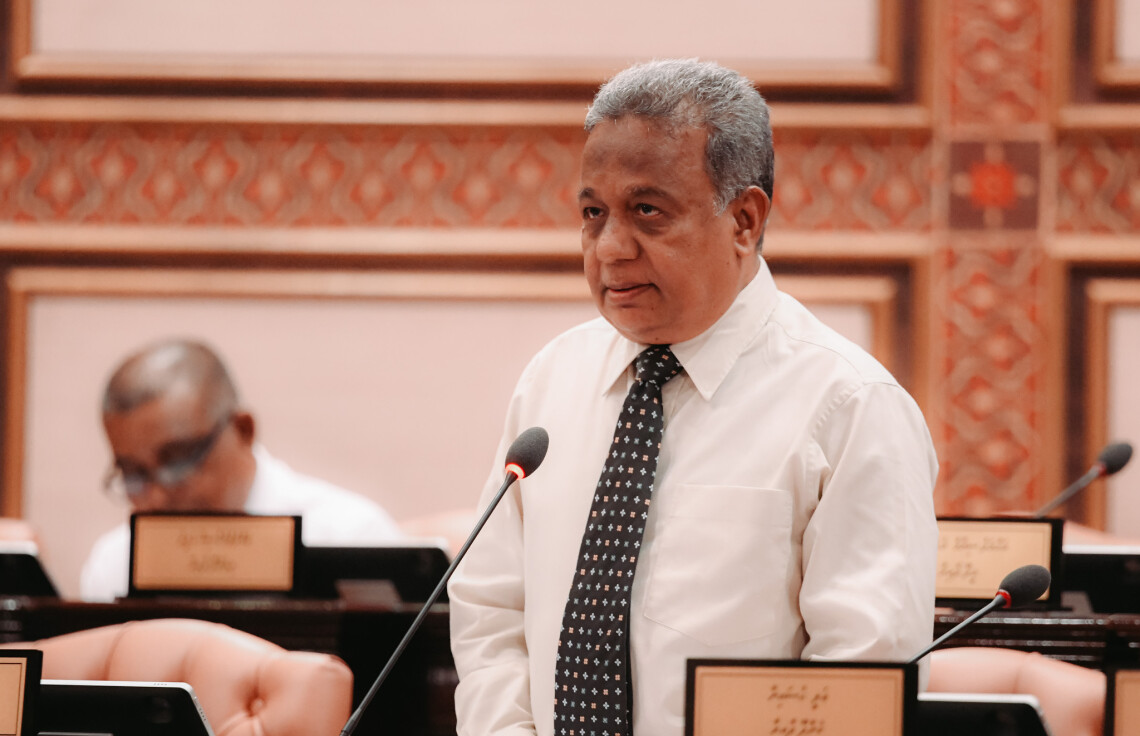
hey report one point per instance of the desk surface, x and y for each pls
(418, 697)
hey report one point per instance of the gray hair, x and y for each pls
(687, 92)
(153, 371)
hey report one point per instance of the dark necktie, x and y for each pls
(591, 682)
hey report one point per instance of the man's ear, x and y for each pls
(246, 426)
(750, 212)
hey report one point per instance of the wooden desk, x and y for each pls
(1091, 639)
(416, 699)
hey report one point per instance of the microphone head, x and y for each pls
(527, 452)
(1114, 457)
(1024, 585)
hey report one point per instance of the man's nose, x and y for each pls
(152, 497)
(616, 242)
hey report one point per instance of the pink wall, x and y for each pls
(489, 29)
(401, 400)
(1123, 508)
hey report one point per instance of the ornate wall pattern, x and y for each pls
(853, 181)
(996, 62)
(989, 182)
(993, 371)
(989, 375)
(287, 176)
(1098, 177)
(381, 176)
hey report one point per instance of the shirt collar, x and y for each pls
(710, 356)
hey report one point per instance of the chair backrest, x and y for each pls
(247, 686)
(1072, 697)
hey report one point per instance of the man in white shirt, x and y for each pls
(792, 512)
(181, 442)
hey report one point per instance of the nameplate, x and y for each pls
(1123, 711)
(19, 684)
(213, 553)
(975, 555)
(796, 698)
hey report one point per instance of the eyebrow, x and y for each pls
(588, 193)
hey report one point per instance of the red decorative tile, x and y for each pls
(994, 184)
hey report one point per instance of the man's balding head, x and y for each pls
(166, 366)
(180, 441)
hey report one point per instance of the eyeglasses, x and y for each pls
(180, 460)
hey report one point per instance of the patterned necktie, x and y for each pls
(591, 682)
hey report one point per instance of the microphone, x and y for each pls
(524, 456)
(1023, 585)
(1110, 460)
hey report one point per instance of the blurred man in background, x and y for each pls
(181, 442)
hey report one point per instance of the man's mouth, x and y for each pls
(620, 293)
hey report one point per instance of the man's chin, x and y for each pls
(638, 331)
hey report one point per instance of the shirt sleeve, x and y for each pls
(486, 598)
(870, 548)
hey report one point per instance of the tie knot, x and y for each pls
(656, 364)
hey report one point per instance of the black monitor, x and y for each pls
(21, 572)
(414, 571)
(1108, 575)
(104, 708)
(979, 714)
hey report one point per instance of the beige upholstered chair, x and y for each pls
(1072, 697)
(247, 686)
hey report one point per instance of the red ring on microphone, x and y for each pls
(1007, 597)
(516, 469)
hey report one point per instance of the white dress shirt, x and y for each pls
(792, 515)
(329, 514)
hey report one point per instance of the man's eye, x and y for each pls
(591, 213)
(647, 209)
(179, 453)
(129, 469)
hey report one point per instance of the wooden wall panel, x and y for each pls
(856, 47)
(392, 383)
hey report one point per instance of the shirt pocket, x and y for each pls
(720, 562)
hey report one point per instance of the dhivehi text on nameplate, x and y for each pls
(208, 552)
(798, 701)
(1126, 703)
(975, 555)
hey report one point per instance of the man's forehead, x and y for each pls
(637, 142)
(169, 415)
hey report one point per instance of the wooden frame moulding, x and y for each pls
(878, 294)
(881, 75)
(1106, 73)
(1067, 254)
(27, 284)
(1110, 71)
(467, 113)
(1102, 295)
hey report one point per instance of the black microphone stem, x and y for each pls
(350, 726)
(1093, 473)
(998, 600)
